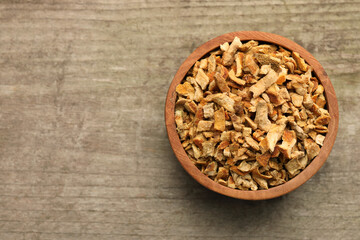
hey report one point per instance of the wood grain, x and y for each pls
(83, 147)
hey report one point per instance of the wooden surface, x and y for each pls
(83, 147)
(280, 190)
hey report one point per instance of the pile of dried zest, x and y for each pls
(251, 116)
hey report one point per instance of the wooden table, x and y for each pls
(83, 147)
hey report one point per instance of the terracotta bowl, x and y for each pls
(273, 192)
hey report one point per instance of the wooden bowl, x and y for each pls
(273, 192)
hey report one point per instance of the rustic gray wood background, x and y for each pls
(83, 148)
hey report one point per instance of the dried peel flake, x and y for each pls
(251, 116)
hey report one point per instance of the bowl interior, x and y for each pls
(273, 192)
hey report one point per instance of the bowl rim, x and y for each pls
(273, 192)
